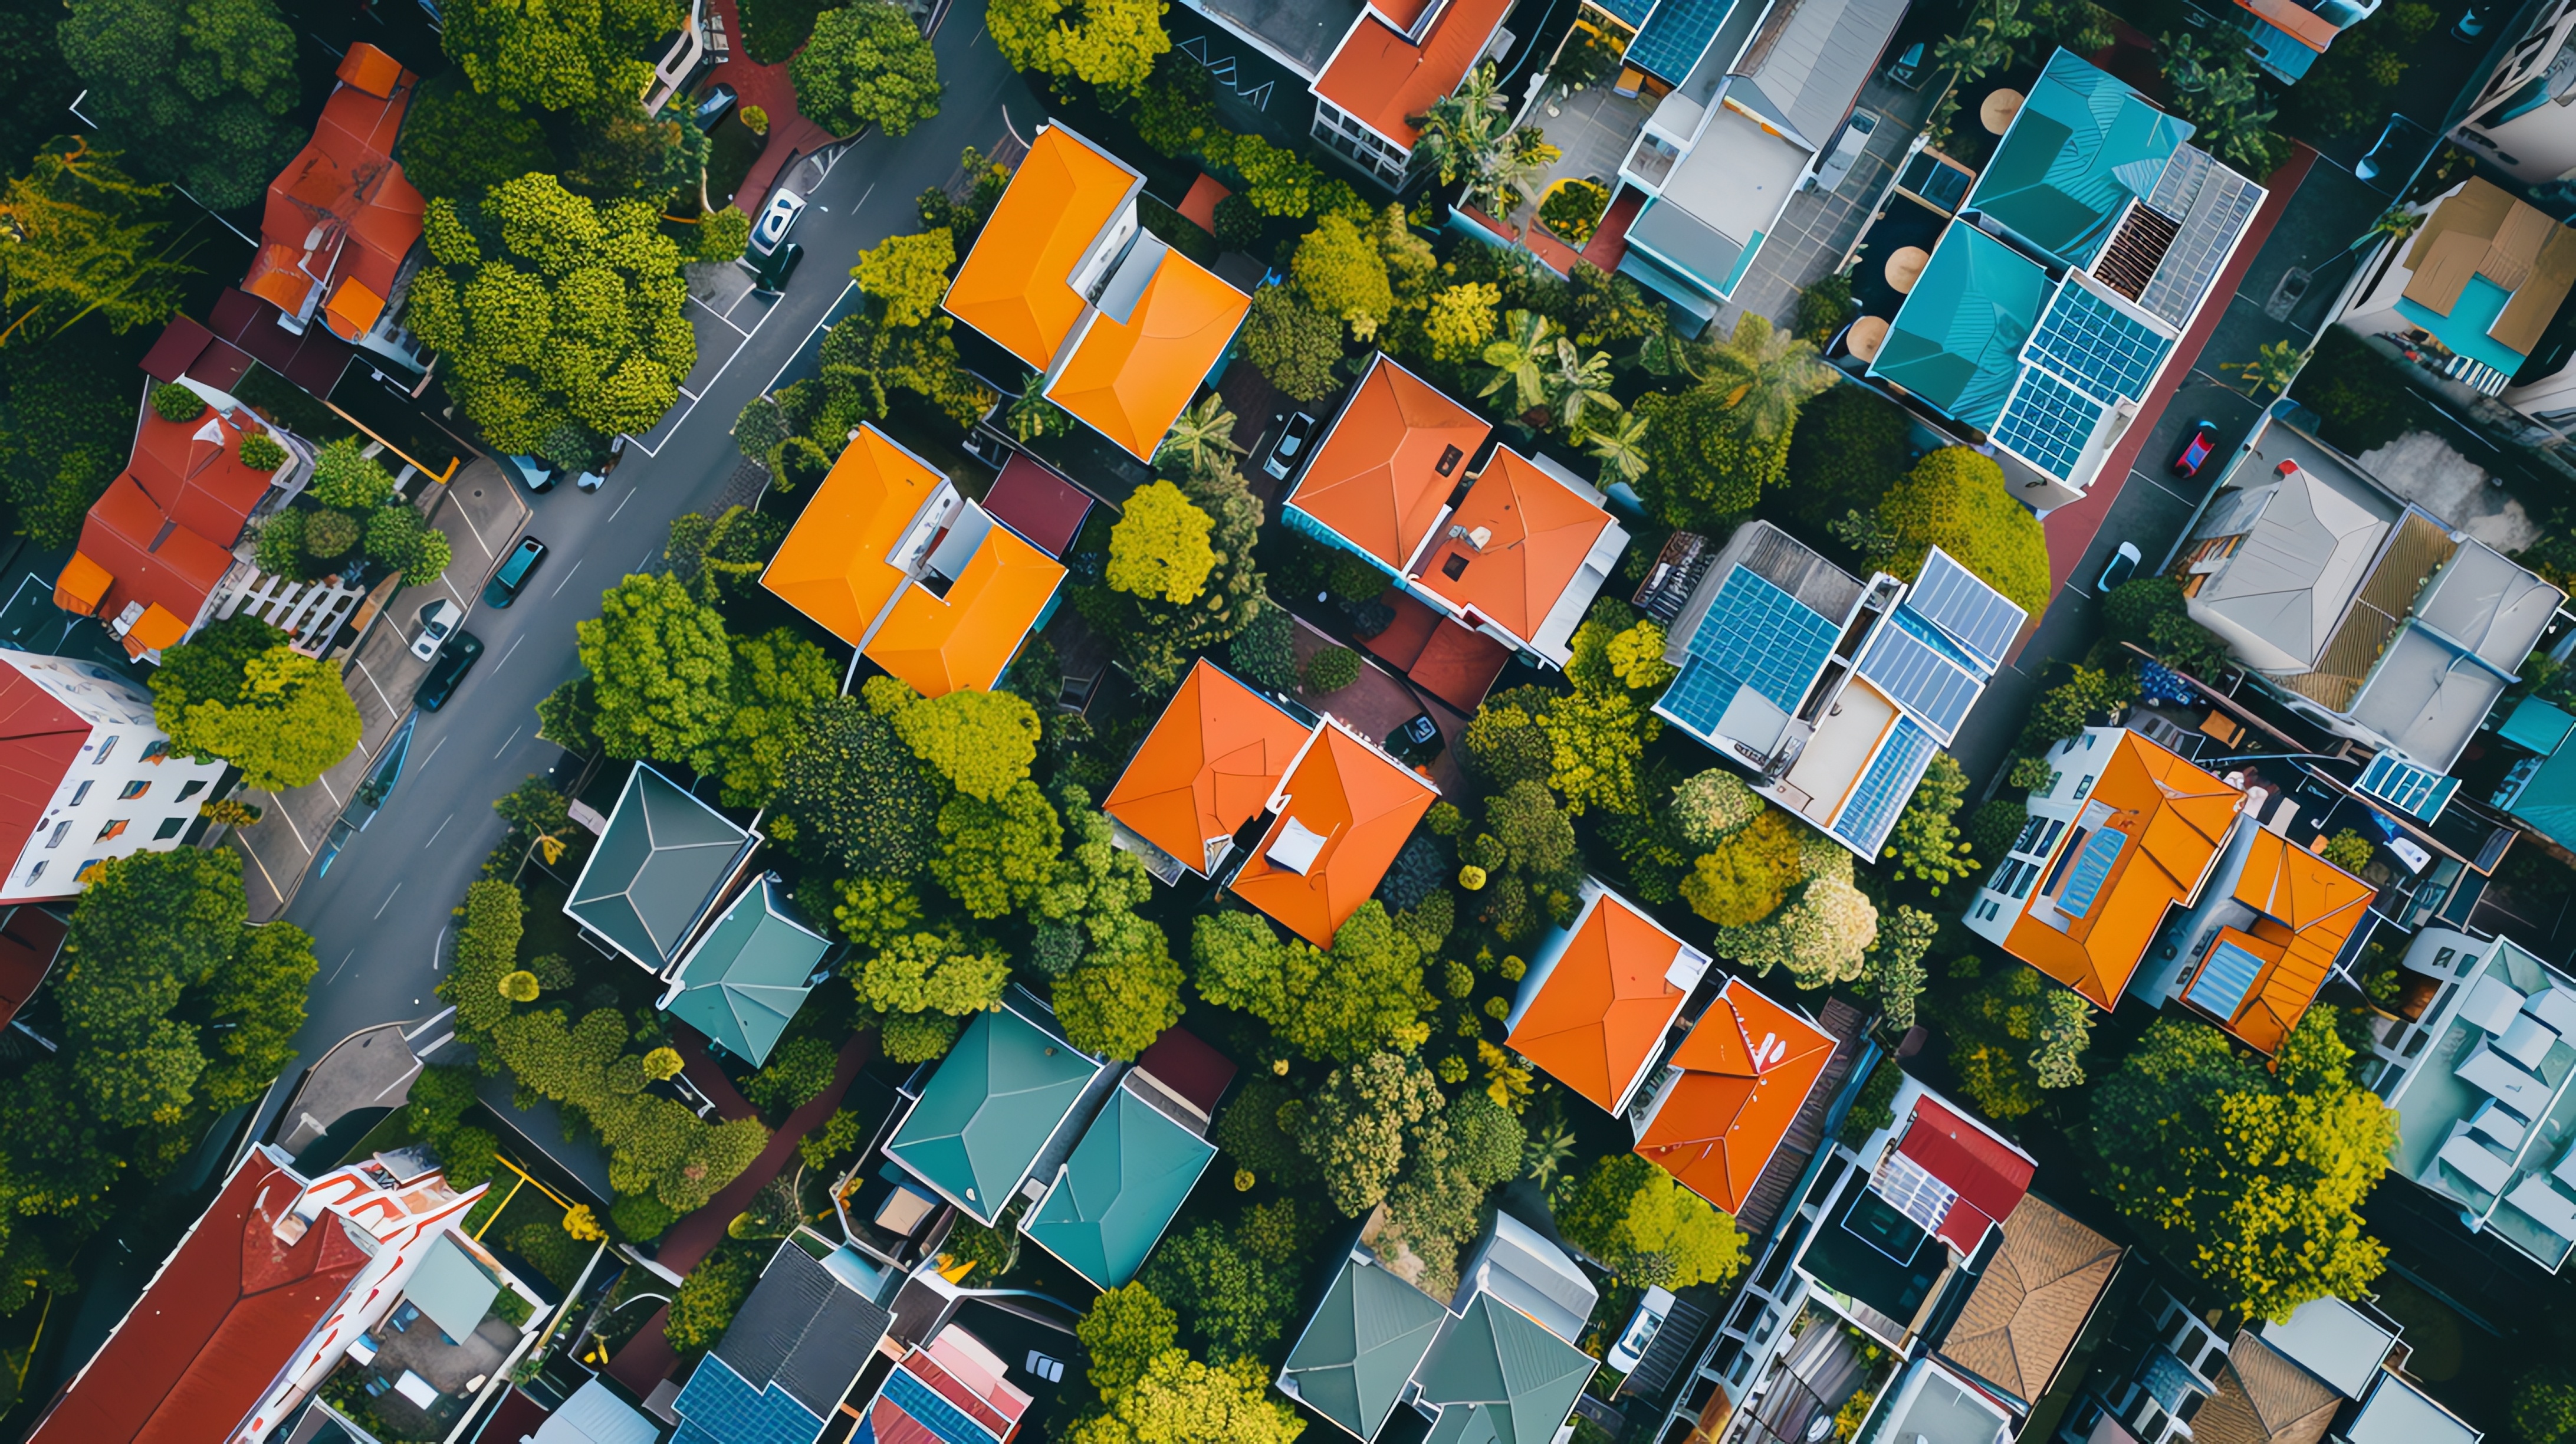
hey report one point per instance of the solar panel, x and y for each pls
(2047, 423)
(1770, 640)
(2092, 869)
(2223, 981)
(2407, 787)
(1673, 37)
(1936, 690)
(1886, 787)
(1981, 620)
(2106, 353)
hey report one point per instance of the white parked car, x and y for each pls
(437, 623)
(776, 220)
(1846, 150)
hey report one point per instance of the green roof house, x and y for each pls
(748, 973)
(1956, 342)
(1110, 1202)
(1361, 1347)
(995, 1104)
(663, 860)
(2081, 148)
(1498, 1377)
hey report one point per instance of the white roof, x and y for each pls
(2306, 550)
(593, 1415)
(2397, 1413)
(2334, 1341)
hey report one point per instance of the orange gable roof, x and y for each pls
(834, 565)
(2171, 819)
(341, 212)
(2310, 908)
(1363, 806)
(1539, 530)
(1015, 286)
(150, 560)
(82, 586)
(1385, 80)
(1597, 1020)
(1747, 1068)
(1208, 767)
(964, 639)
(193, 471)
(1385, 468)
(1129, 380)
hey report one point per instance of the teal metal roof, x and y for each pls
(1956, 342)
(747, 975)
(1361, 1347)
(1118, 1192)
(657, 868)
(2548, 800)
(2082, 145)
(1500, 1377)
(988, 1111)
(2537, 726)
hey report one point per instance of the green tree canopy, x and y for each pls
(194, 91)
(87, 241)
(584, 56)
(1746, 876)
(995, 856)
(1363, 995)
(853, 796)
(1125, 991)
(1360, 1123)
(909, 274)
(2251, 1179)
(1159, 548)
(286, 721)
(1632, 1216)
(1110, 44)
(661, 668)
(1955, 499)
(779, 680)
(1924, 844)
(1292, 344)
(458, 143)
(982, 742)
(1122, 1333)
(931, 972)
(1179, 1400)
(558, 319)
(1713, 448)
(866, 64)
(1343, 274)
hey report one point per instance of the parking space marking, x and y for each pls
(719, 315)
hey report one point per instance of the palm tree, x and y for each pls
(1519, 358)
(1516, 167)
(1764, 375)
(1202, 437)
(1464, 127)
(1578, 385)
(1620, 444)
(1031, 415)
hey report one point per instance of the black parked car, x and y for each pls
(455, 659)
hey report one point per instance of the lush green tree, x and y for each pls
(1504, 742)
(721, 558)
(211, 665)
(1924, 844)
(1358, 1125)
(1110, 44)
(866, 362)
(708, 1297)
(1850, 449)
(149, 929)
(559, 320)
(1159, 548)
(1122, 1333)
(1486, 1139)
(1717, 446)
(1342, 273)
(867, 64)
(661, 668)
(1894, 966)
(583, 57)
(1158, 638)
(1292, 344)
(1708, 807)
(1462, 320)
(1201, 438)
(458, 143)
(195, 92)
(87, 240)
(1364, 995)
(2065, 710)
(1234, 1303)
(2150, 612)
(931, 972)
(1249, 1128)
(288, 720)
(625, 154)
(852, 796)
(1955, 499)
(1747, 876)
(1182, 1401)
(1095, 887)
(907, 274)
(2251, 1179)
(487, 950)
(1469, 137)
(1649, 1229)
(1993, 1031)
(982, 742)
(1532, 863)
(779, 679)
(1124, 993)
(66, 427)
(2221, 95)
(656, 1145)
(1596, 742)
(255, 1007)
(995, 856)
(346, 478)
(799, 1072)
(399, 539)
(1821, 937)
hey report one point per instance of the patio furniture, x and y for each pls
(1998, 109)
(1866, 336)
(1905, 267)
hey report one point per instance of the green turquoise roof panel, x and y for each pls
(2081, 147)
(2548, 800)
(988, 1111)
(2537, 726)
(1361, 1347)
(748, 974)
(1956, 342)
(1118, 1192)
(657, 868)
(1498, 1375)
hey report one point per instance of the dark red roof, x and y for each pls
(1989, 1175)
(1184, 1063)
(30, 939)
(313, 360)
(39, 739)
(203, 1344)
(182, 341)
(1030, 498)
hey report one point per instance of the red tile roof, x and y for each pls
(193, 471)
(1384, 80)
(1385, 467)
(1747, 1067)
(40, 738)
(30, 939)
(1989, 1175)
(201, 1347)
(341, 214)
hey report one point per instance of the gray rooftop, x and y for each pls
(803, 1330)
(657, 868)
(1808, 62)
(1301, 33)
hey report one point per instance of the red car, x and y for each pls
(2197, 447)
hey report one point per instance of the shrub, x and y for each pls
(262, 452)
(1955, 499)
(1573, 209)
(796, 1074)
(1823, 310)
(1265, 651)
(329, 534)
(639, 1217)
(2348, 850)
(177, 403)
(755, 120)
(1332, 669)
(704, 1307)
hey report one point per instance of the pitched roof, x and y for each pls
(943, 1392)
(2263, 1398)
(160, 535)
(341, 214)
(803, 1331)
(1989, 1175)
(2259, 983)
(835, 565)
(1746, 1067)
(1539, 530)
(1131, 1172)
(1382, 78)
(1498, 1374)
(2033, 1299)
(1130, 379)
(1015, 286)
(2479, 231)
(657, 869)
(2308, 543)
(1361, 1346)
(748, 973)
(1594, 1015)
(1208, 767)
(989, 1110)
(150, 560)
(199, 1349)
(2082, 145)
(2154, 824)
(965, 638)
(1386, 466)
(1355, 806)
(40, 738)
(1956, 341)
(193, 471)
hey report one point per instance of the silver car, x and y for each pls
(776, 220)
(437, 622)
(1846, 151)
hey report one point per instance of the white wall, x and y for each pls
(125, 754)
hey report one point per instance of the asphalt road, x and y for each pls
(379, 916)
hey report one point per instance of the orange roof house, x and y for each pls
(1208, 767)
(2257, 981)
(850, 550)
(2144, 838)
(1383, 475)
(341, 222)
(997, 588)
(1344, 812)
(1744, 1072)
(1065, 232)
(1598, 999)
(1017, 285)
(1525, 553)
(1392, 65)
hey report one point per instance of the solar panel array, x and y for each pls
(1753, 635)
(1976, 617)
(2092, 870)
(2407, 787)
(1932, 687)
(719, 1404)
(2107, 354)
(2224, 980)
(1673, 37)
(2047, 423)
(1886, 787)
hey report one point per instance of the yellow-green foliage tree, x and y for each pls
(982, 742)
(1955, 499)
(1632, 1216)
(583, 57)
(1343, 274)
(284, 722)
(1110, 44)
(1160, 548)
(1745, 877)
(908, 274)
(1462, 320)
(1366, 994)
(1179, 1400)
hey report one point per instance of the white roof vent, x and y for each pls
(1296, 847)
